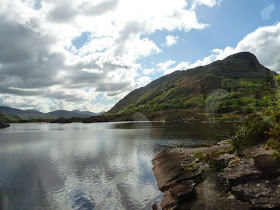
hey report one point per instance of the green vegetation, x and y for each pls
(262, 126)
(8, 117)
(237, 85)
(211, 159)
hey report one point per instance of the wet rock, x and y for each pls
(155, 207)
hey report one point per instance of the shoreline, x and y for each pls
(215, 178)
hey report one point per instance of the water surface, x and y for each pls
(90, 166)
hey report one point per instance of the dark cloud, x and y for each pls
(113, 87)
(30, 66)
(64, 10)
(22, 42)
(7, 90)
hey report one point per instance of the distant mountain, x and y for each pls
(236, 84)
(34, 114)
(24, 114)
(67, 114)
(88, 113)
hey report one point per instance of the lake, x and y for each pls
(90, 166)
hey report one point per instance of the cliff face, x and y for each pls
(225, 82)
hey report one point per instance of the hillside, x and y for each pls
(5, 119)
(68, 114)
(36, 115)
(235, 85)
(25, 114)
(8, 118)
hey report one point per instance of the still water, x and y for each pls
(90, 166)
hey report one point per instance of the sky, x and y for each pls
(87, 55)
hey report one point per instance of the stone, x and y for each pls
(222, 204)
(225, 159)
(261, 193)
(243, 169)
(169, 201)
(183, 190)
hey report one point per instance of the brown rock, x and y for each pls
(169, 201)
(155, 207)
(183, 190)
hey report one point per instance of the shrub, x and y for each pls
(273, 143)
(254, 130)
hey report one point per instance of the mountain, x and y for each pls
(234, 85)
(68, 114)
(25, 114)
(34, 114)
(87, 113)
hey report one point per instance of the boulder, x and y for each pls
(4, 124)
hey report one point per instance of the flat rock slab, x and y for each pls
(176, 183)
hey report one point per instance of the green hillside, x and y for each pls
(8, 117)
(236, 85)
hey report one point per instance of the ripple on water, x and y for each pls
(86, 166)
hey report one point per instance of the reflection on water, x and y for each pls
(89, 166)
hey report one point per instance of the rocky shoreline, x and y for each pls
(4, 124)
(216, 178)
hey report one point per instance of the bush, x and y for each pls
(254, 130)
(248, 109)
(273, 143)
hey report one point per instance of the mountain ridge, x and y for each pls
(231, 80)
(37, 115)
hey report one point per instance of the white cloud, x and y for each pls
(171, 40)
(165, 65)
(263, 42)
(187, 65)
(144, 80)
(148, 71)
(209, 3)
(37, 54)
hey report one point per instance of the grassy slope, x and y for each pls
(7, 117)
(235, 85)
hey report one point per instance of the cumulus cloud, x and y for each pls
(165, 65)
(171, 40)
(209, 3)
(40, 62)
(148, 71)
(188, 65)
(264, 42)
